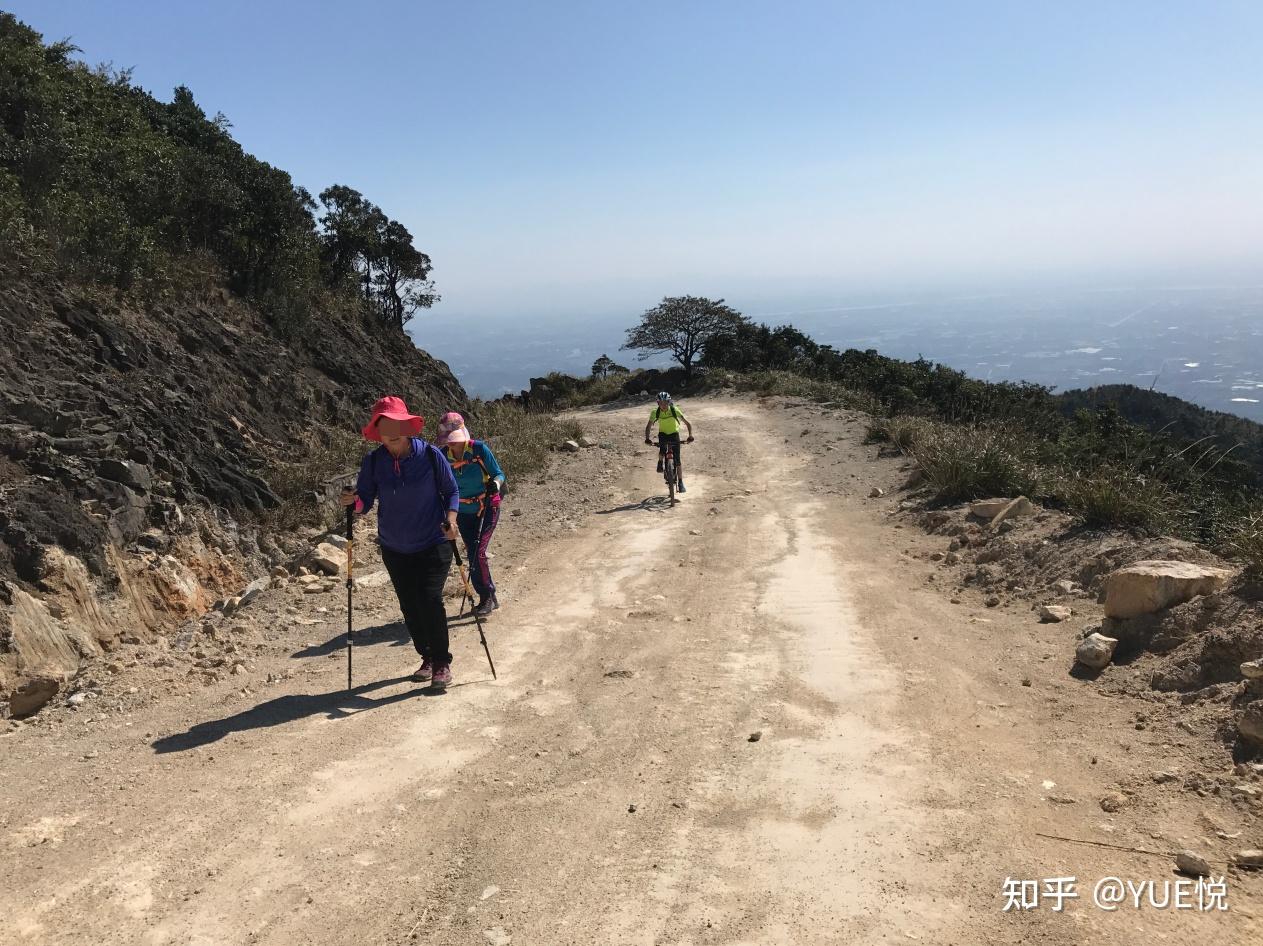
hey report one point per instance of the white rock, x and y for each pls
(1250, 859)
(77, 699)
(1095, 651)
(337, 541)
(1067, 587)
(377, 579)
(1147, 587)
(497, 936)
(329, 559)
(1054, 612)
(1253, 669)
(570, 446)
(1013, 510)
(586, 442)
(987, 508)
(876, 492)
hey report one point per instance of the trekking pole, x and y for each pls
(464, 577)
(350, 583)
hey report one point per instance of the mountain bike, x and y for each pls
(668, 472)
(668, 468)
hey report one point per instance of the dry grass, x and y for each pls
(1246, 544)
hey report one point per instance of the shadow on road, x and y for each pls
(394, 633)
(648, 504)
(286, 709)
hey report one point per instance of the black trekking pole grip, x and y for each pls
(350, 584)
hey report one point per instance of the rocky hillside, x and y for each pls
(139, 452)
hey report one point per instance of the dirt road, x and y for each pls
(748, 719)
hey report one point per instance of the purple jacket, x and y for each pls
(415, 493)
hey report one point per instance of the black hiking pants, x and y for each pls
(418, 578)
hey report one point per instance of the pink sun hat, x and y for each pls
(452, 430)
(395, 409)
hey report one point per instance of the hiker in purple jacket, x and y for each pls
(418, 499)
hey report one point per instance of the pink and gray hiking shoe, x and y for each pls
(442, 676)
(424, 672)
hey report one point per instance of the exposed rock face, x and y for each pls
(1148, 587)
(135, 450)
(1250, 725)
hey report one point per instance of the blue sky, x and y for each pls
(571, 158)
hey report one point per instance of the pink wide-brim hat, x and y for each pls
(395, 409)
(452, 430)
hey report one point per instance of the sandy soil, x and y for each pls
(754, 718)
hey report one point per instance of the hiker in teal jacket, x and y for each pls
(480, 479)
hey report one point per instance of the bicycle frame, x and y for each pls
(668, 470)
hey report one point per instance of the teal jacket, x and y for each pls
(473, 469)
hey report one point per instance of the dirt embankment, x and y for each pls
(135, 445)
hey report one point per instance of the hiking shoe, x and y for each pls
(679, 487)
(486, 606)
(442, 676)
(659, 465)
(424, 672)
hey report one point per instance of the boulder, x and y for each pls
(571, 446)
(876, 492)
(1252, 669)
(32, 696)
(329, 558)
(253, 590)
(337, 541)
(1096, 651)
(1251, 859)
(586, 442)
(1067, 587)
(1054, 613)
(1192, 863)
(1148, 587)
(1250, 725)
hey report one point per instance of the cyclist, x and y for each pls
(668, 417)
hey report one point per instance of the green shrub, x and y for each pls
(901, 432)
(789, 384)
(1117, 497)
(1246, 544)
(521, 439)
(970, 462)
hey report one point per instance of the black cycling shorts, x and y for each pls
(672, 441)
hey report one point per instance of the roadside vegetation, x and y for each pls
(103, 183)
(1116, 458)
